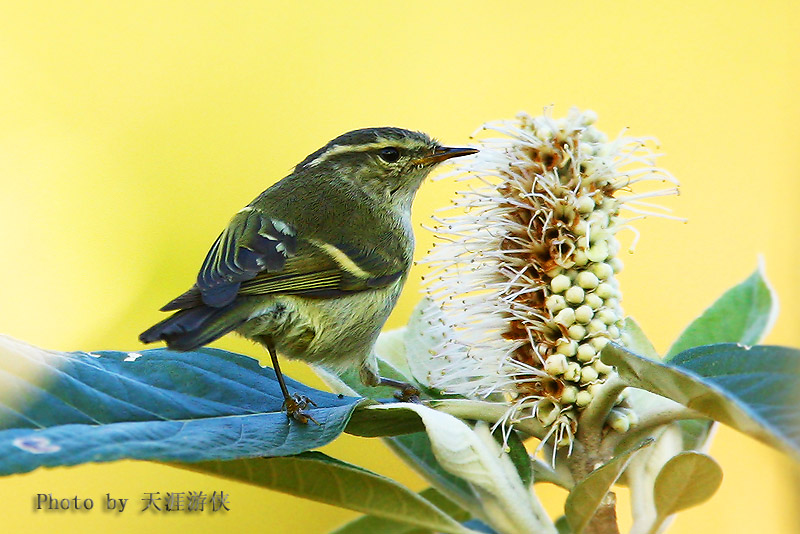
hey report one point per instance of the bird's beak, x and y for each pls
(442, 153)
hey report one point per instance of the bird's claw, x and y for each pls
(294, 406)
(407, 393)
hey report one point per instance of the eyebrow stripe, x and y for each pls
(344, 149)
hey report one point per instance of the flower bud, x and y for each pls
(560, 283)
(587, 280)
(586, 352)
(599, 343)
(577, 332)
(580, 258)
(618, 421)
(574, 295)
(588, 374)
(598, 252)
(596, 326)
(606, 291)
(555, 364)
(565, 317)
(567, 347)
(603, 271)
(569, 394)
(585, 204)
(573, 372)
(584, 314)
(607, 316)
(593, 301)
(583, 398)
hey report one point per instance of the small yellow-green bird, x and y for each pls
(313, 266)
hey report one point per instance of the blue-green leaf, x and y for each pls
(61, 408)
(743, 314)
(753, 389)
(316, 476)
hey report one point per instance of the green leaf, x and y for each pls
(753, 389)
(370, 421)
(60, 408)
(686, 480)
(743, 314)
(562, 525)
(315, 476)
(585, 498)
(370, 524)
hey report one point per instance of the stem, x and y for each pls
(594, 416)
(593, 453)
(656, 419)
(648, 423)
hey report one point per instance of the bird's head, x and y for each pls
(388, 163)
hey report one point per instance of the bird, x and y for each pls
(313, 266)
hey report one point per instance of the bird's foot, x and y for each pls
(408, 394)
(294, 406)
(405, 391)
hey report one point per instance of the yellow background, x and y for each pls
(131, 131)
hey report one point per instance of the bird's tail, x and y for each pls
(194, 327)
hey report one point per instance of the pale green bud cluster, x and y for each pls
(574, 223)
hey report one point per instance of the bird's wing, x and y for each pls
(252, 243)
(257, 255)
(326, 270)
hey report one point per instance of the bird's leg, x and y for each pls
(370, 377)
(293, 404)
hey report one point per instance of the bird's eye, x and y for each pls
(389, 154)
